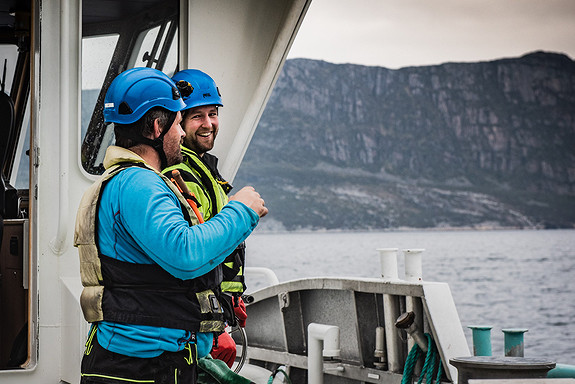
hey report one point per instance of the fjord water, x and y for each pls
(503, 278)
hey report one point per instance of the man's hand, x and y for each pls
(240, 312)
(252, 199)
(226, 350)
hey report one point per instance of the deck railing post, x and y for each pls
(414, 273)
(388, 258)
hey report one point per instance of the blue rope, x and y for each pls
(432, 362)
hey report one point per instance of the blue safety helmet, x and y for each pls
(197, 88)
(135, 91)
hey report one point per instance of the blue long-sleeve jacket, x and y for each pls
(140, 221)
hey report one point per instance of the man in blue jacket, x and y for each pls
(151, 272)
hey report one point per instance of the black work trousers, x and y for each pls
(100, 366)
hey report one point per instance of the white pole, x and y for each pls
(322, 341)
(414, 273)
(388, 258)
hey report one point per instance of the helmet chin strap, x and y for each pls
(157, 144)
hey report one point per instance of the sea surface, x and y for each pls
(502, 278)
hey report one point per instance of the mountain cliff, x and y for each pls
(482, 145)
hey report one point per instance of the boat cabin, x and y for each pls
(58, 59)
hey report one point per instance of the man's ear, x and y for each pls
(157, 129)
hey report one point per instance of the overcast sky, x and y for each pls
(399, 33)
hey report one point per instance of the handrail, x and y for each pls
(265, 272)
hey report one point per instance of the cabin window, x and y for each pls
(9, 55)
(15, 142)
(153, 42)
(144, 39)
(171, 63)
(20, 178)
(96, 56)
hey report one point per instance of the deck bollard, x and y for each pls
(388, 259)
(413, 268)
(513, 341)
(481, 339)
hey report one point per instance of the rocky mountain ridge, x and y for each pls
(480, 145)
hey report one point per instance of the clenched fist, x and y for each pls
(252, 199)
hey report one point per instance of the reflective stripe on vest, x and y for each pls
(203, 184)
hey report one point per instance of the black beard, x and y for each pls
(193, 146)
(175, 159)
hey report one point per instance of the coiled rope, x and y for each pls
(432, 363)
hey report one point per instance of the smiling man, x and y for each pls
(200, 173)
(201, 124)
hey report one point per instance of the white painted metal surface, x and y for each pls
(250, 61)
(446, 326)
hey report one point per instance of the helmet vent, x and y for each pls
(124, 109)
